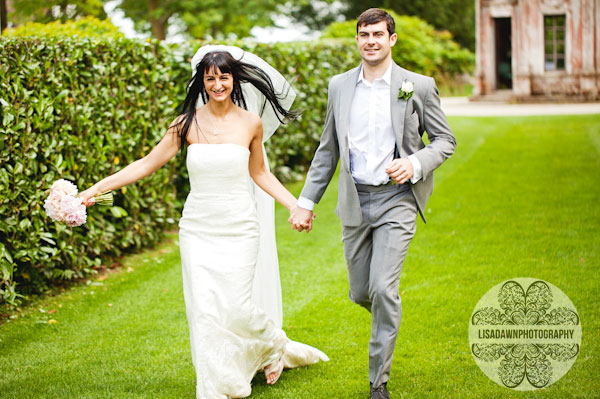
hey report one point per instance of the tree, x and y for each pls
(44, 11)
(82, 27)
(316, 14)
(455, 16)
(3, 11)
(201, 18)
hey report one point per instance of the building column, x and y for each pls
(526, 40)
(588, 75)
(482, 85)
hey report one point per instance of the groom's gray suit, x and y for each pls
(378, 222)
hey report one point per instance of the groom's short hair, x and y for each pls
(376, 15)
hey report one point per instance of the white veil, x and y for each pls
(266, 289)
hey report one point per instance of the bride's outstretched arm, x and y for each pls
(261, 175)
(267, 181)
(161, 154)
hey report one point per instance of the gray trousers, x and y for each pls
(375, 253)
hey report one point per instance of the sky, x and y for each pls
(289, 32)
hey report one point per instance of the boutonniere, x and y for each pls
(406, 90)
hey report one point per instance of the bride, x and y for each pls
(226, 228)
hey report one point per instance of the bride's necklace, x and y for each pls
(212, 126)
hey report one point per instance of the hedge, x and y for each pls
(81, 109)
(78, 110)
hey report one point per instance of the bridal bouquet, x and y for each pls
(63, 204)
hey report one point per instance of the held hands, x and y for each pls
(301, 219)
(400, 170)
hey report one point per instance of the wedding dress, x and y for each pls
(266, 288)
(231, 338)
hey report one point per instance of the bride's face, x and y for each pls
(218, 85)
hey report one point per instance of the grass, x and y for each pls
(518, 199)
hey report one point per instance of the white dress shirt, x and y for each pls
(371, 137)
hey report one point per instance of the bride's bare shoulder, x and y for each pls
(250, 118)
(175, 123)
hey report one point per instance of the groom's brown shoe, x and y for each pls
(380, 392)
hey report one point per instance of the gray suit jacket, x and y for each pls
(421, 113)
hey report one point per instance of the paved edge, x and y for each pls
(461, 106)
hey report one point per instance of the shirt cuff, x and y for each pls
(417, 169)
(305, 203)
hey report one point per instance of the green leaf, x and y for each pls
(25, 223)
(118, 212)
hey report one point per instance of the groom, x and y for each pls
(376, 115)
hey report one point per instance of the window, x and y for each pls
(554, 39)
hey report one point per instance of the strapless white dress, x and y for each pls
(231, 338)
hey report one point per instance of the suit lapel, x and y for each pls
(347, 95)
(397, 105)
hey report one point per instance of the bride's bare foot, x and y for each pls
(273, 371)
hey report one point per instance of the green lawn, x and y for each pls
(520, 198)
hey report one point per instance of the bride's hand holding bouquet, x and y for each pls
(93, 196)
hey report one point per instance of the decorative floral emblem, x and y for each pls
(406, 90)
(520, 342)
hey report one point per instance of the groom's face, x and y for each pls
(375, 43)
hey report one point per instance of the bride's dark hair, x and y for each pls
(242, 73)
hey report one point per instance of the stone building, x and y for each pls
(538, 47)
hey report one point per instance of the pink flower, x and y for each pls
(63, 204)
(65, 187)
(52, 207)
(76, 218)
